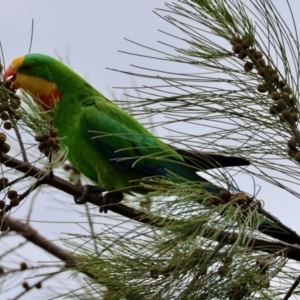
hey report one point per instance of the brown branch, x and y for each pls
(287, 234)
(31, 235)
(291, 251)
(34, 237)
(272, 247)
(292, 288)
(67, 187)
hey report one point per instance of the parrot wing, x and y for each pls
(126, 143)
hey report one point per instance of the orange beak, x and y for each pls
(10, 75)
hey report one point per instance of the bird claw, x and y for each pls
(88, 189)
(108, 199)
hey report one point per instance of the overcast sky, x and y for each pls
(90, 34)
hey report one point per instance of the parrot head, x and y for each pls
(32, 73)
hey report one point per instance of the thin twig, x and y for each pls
(31, 35)
(50, 158)
(32, 286)
(280, 252)
(19, 137)
(8, 207)
(11, 183)
(11, 250)
(32, 202)
(29, 190)
(32, 268)
(292, 288)
(91, 225)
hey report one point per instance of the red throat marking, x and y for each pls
(47, 101)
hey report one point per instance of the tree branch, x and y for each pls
(65, 186)
(292, 288)
(31, 235)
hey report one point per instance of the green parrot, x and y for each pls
(104, 142)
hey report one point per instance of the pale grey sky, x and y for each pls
(90, 33)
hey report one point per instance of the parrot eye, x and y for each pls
(27, 68)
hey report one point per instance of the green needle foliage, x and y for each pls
(229, 84)
(241, 99)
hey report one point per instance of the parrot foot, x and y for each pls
(109, 199)
(94, 189)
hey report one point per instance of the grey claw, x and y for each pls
(88, 189)
(110, 199)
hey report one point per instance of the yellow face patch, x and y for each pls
(17, 62)
(40, 88)
(32, 85)
(35, 86)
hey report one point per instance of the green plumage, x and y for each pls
(105, 143)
